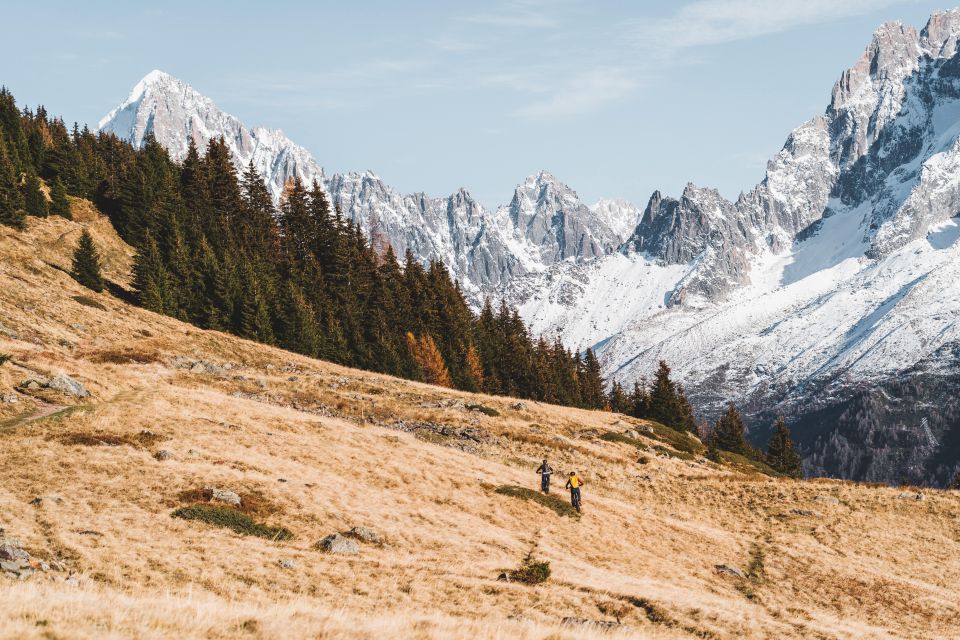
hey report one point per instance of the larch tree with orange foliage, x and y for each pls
(428, 359)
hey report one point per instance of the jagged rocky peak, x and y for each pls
(175, 113)
(939, 37)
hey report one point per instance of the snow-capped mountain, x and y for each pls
(544, 223)
(829, 292)
(175, 113)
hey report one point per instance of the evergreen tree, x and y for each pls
(59, 205)
(34, 201)
(591, 382)
(729, 432)
(86, 263)
(955, 483)
(664, 404)
(639, 400)
(618, 400)
(11, 200)
(151, 280)
(781, 454)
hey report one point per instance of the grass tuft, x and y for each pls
(485, 410)
(87, 301)
(229, 518)
(561, 507)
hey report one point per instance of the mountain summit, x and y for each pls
(545, 223)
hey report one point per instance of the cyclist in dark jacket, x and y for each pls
(545, 470)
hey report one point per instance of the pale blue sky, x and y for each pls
(616, 98)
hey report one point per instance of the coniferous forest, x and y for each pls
(212, 249)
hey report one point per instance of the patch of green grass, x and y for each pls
(229, 518)
(87, 301)
(654, 613)
(531, 572)
(747, 465)
(485, 410)
(679, 440)
(613, 436)
(560, 506)
(673, 453)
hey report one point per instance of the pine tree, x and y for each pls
(729, 432)
(955, 483)
(428, 359)
(639, 400)
(11, 200)
(34, 202)
(618, 399)
(781, 454)
(664, 405)
(151, 280)
(591, 382)
(301, 330)
(59, 205)
(86, 263)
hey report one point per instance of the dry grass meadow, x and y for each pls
(318, 449)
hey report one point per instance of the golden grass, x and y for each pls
(316, 447)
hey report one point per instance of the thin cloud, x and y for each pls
(520, 14)
(708, 22)
(585, 92)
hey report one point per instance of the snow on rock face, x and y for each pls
(174, 113)
(545, 223)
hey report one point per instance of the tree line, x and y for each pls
(212, 249)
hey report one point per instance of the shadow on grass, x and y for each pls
(560, 506)
(232, 519)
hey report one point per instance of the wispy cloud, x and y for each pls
(521, 14)
(707, 22)
(584, 92)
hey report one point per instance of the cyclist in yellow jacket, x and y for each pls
(574, 483)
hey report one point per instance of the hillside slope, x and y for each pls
(318, 449)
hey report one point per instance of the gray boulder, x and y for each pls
(162, 455)
(910, 496)
(8, 399)
(827, 499)
(336, 543)
(224, 495)
(65, 384)
(363, 534)
(728, 570)
(287, 563)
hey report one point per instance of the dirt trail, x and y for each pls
(44, 411)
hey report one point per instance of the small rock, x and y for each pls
(503, 577)
(807, 513)
(65, 384)
(261, 383)
(518, 406)
(224, 495)
(162, 455)
(10, 333)
(281, 479)
(365, 535)
(50, 498)
(33, 384)
(76, 326)
(288, 563)
(56, 566)
(827, 499)
(12, 553)
(910, 496)
(726, 569)
(631, 433)
(336, 543)
(9, 399)
(292, 379)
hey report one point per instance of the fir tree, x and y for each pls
(664, 405)
(781, 454)
(617, 399)
(34, 202)
(729, 432)
(59, 205)
(591, 382)
(86, 263)
(11, 200)
(151, 280)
